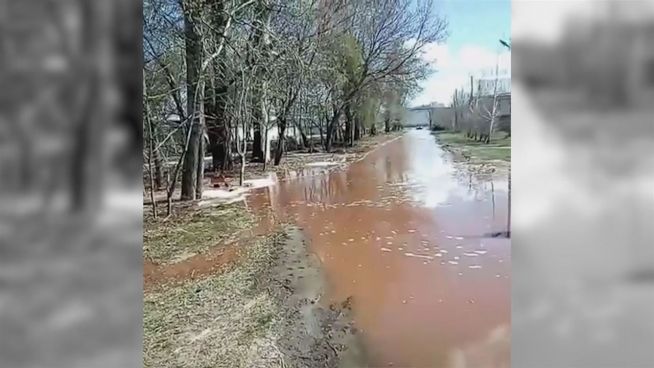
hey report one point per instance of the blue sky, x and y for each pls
(472, 48)
(479, 22)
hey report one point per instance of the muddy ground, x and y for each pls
(264, 310)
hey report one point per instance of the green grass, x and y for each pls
(192, 232)
(498, 149)
(228, 320)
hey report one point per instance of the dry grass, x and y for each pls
(192, 231)
(229, 320)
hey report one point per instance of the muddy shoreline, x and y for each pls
(296, 327)
(315, 334)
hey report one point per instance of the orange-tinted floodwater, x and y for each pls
(402, 233)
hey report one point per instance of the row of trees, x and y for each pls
(219, 75)
(476, 111)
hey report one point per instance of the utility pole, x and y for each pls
(508, 217)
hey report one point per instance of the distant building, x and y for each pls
(442, 117)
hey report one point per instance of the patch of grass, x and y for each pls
(192, 231)
(229, 320)
(498, 149)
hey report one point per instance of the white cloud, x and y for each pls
(452, 69)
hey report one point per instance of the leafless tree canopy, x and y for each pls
(220, 76)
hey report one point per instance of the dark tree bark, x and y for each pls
(158, 170)
(349, 126)
(331, 130)
(281, 142)
(357, 129)
(257, 143)
(193, 65)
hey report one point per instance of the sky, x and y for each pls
(472, 47)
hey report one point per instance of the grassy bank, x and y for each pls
(226, 320)
(192, 231)
(259, 310)
(499, 149)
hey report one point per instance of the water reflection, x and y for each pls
(400, 232)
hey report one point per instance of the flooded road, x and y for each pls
(401, 233)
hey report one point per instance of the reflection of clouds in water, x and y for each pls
(434, 180)
(495, 347)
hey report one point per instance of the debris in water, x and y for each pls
(418, 256)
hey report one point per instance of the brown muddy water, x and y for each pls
(400, 232)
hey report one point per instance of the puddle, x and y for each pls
(401, 233)
(191, 267)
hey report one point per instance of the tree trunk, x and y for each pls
(257, 146)
(151, 150)
(158, 170)
(281, 142)
(193, 65)
(357, 129)
(331, 129)
(200, 164)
